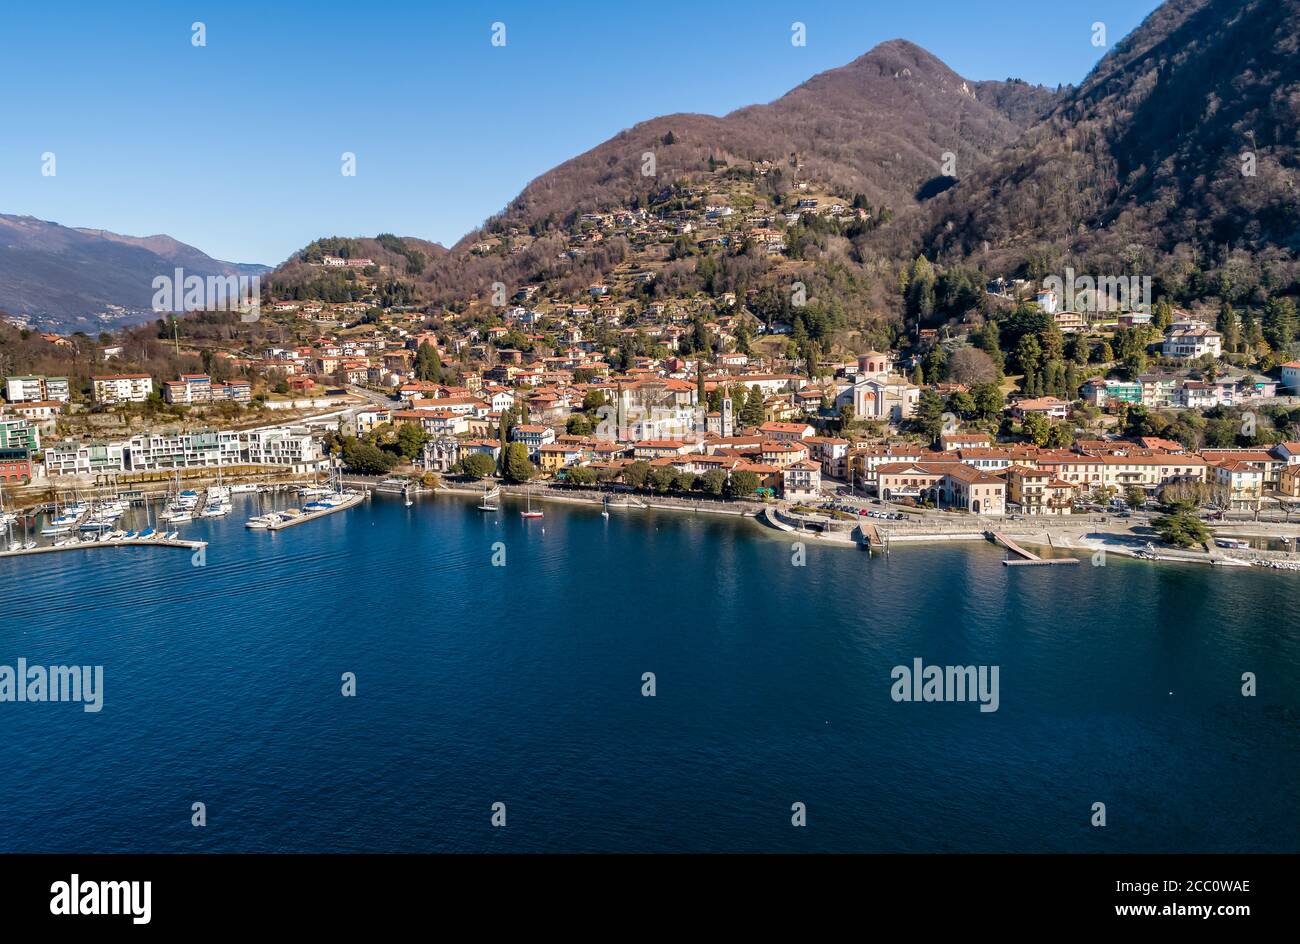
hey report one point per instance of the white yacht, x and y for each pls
(177, 513)
(217, 507)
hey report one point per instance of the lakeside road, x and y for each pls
(618, 500)
(1082, 535)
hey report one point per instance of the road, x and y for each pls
(374, 396)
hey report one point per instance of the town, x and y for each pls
(996, 398)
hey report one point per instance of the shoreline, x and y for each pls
(1106, 537)
(1080, 540)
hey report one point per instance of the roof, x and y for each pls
(1040, 403)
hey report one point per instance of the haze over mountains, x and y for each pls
(70, 279)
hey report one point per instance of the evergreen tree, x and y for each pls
(1279, 323)
(1251, 332)
(751, 414)
(428, 366)
(742, 338)
(918, 287)
(929, 415)
(518, 467)
(989, 400)
(936, 365)
(1029, 354)
(1163, 316)
(1226, 325)
(987, 339)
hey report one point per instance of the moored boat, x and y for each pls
(490, 499)
(530, 513)
(1234, 543)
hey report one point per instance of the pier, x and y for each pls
(178, 543)
(870, 538)
(351, 502)
(1025, 558)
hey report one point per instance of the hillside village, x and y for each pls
(988, 395)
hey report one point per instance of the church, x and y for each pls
(878, 393)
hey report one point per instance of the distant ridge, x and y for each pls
(68, 279)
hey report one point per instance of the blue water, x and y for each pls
(522, 685)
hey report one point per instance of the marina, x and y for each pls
(169, 540)
(313, 510)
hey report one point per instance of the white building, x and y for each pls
(75, 458)
(282, 446)
(30, 389)
(1189, 339)
(1291, 375)
(151, 453)
(122, 388)
(19, 433)
(372, 416)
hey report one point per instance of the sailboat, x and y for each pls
(530, 513)
(217, 504)
(407, 493)
(490, 498)
(60, 523)
(181, 508)
(604, 510)
(6, 517)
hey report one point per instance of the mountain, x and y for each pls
(882, 127)
(1177, 156)
(878, 126)
(401, 260)
(68, 279)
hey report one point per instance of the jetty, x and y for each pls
(871, 538)
(1023, 557)
(350, 501)
(178, 543)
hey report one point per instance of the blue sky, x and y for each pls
(235, 147)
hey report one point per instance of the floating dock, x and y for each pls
(97, 545)
(1026, 558)
(351, 502)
